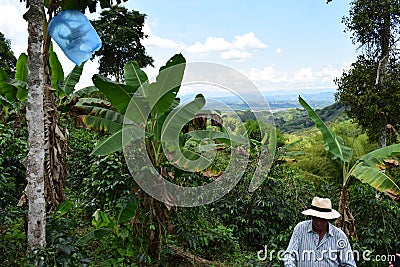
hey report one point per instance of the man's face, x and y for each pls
(319, 224)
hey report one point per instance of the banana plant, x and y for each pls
(368, 168)
(151, 111)
(13, 93)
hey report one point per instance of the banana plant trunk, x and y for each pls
(346, 221)
(55, 151)
(55, 165)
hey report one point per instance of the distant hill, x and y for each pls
(277, 100)
(296, 119)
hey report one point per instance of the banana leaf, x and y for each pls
(72, 79)
(114, 143)
(374, 177)
(377, 156)
(118, 94)
(86, 91)
(21, 70)
(332, 143)
(57, 72)
(162, 93)
(134, 76)
(179, 117)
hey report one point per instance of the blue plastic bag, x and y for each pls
(74, 34)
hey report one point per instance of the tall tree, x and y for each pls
(7, 58)
(41, 109)
(369, 88)
(34, 115)
(121, 32)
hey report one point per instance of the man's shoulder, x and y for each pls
(303, 225)
(336, 231)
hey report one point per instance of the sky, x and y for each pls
(287, 45)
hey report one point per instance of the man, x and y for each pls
(316, 242)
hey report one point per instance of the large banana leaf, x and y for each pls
(114, 143)
(72, 79)
(368, 169)
(21, 76)
(377, 156)
(179, 117)
(332, 143)
(118, 94)
(134, 76)
(374, 177)
(6, 91)
(102, 119)
(222, 137)
(21, 71)
(171, 132)
(57, 72)
(162, 93)
(86, 91)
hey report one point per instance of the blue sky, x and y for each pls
(279, 45)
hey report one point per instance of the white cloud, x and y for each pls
(236, 55)
(248, 41)
(268, 78)
(278, 51)
(266, 74)
(13, 26)
(12, 22)
(238, 49)
(303, 75)
(156, 41)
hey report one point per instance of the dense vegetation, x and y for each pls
(107, 219)
(230, 231)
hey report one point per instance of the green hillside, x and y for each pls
(296, 119)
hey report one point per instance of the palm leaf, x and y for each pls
(332, 143)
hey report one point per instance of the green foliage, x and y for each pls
(122, 32)
(81, 5)
(292, 120)
(378, 230)
(8, 60)
(367, 168)
(13, 241)
(13, 149)
(373, 24)
(114, 239)
(199, 231)
(257, 218)
(371, 106)
(332, 143)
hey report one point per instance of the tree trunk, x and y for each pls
(36, 234)
(346, 221)
(385, 35)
